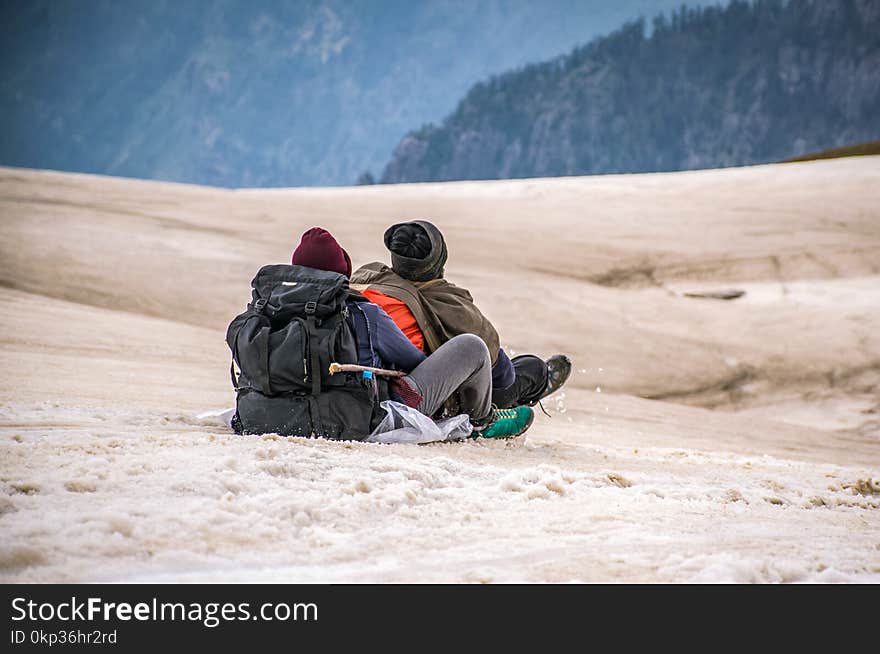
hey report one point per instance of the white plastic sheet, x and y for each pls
(219, 417)
(403, 424)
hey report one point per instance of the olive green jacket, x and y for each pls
(441, 309)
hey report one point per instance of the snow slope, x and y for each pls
(758, 461)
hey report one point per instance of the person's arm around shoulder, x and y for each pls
(392, 345)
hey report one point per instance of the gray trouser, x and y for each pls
(460, 365)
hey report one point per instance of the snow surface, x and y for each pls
(758, 461)
(177, 501)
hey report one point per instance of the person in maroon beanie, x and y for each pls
(461, 366)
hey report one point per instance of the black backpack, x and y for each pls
(283, 345)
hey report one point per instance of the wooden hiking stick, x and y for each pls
(353, 367)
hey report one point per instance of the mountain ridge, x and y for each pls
(235, 93)
(709, 87)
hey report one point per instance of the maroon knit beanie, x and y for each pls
(318, 249)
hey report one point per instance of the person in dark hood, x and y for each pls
(460, 367)
(431, 310)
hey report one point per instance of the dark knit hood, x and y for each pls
(418, 251)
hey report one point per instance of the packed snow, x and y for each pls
(176, 501)
(698, 440)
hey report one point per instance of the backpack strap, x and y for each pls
(314, 358)
(314, 365)
(232, 361)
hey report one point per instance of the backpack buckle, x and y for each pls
(311, 307)
(260, 305)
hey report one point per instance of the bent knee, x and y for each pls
(470, 345)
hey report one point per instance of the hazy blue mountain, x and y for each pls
(242, 92)
(708, 87)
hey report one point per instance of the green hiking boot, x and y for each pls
(507, 423)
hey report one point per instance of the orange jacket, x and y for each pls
(400, 314)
